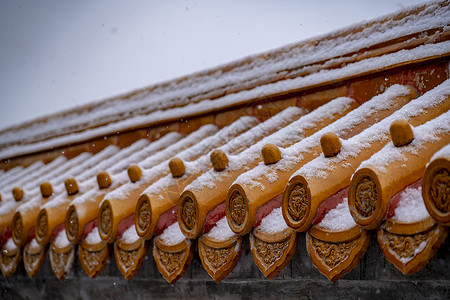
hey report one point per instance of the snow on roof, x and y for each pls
(242, 141)
(172, 235)
(10, 245)
(341, 127)
(411, 207)
(116, 167)
(444, 152)
(423, 134)
(339, 218)
(5, 185)
(321, 166)
(93, 238)
(195, 94)
(221, 231)
(285, 136)
(130, 235)
(201, 148)
(273, 222)
(61, 240)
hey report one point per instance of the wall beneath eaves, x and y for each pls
(373, 278)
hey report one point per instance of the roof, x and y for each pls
(410, 36)
(336, 153)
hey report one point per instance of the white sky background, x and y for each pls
(58, 54)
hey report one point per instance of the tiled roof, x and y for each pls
(319, 172)
(389, 42)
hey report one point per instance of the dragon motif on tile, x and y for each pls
(189, 213)
(72, 227)
(237, 209)
(216, 258)
(297, 202)
(91, 259)
(43, 225)
(332, 254)
(9, 262)
(17, 227)
(171, 261)
(269, 253)
(366, 196)
(127, 258)
(406, 247)
(440, 190)
(62, 262)
(144, 216)
(33, 261)
(106, 219)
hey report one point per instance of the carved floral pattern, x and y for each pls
(9, 262)
(332, 254)
(217, 257)
(237, 209)
(106, 219)
(144, 216)
(62, 262)
(92, 259)
(406, 247)
(171, 261)
(189, 213)
(298, 202)
(43, 225)
(366, 196)
(17, 227)
(33, 261)
(72, 228)
(269, 253)
(127, 258)
(440, 190)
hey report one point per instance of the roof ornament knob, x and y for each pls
(219, 160)
(134, 173)
(270, 153)
(331, 144)
(17, 193)
(103, 180)
(177, 167)
(71, 186)
(46, 189)
(401, 132)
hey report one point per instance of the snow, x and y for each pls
(444, 152)
(10, 245)
(379, 132)
(411, 208)
(288, 132)
(181, 97)
(221, 231)
(18, 173)
(234, 144)
(134, 156)
(34, 244)
(61, 240)
(118, 161)
(172, 235)
(423, 134)
(294, 154)
(339, 218)
(196, 147)
(130, 235)
(273, 222)
(419, 249)
(93, 238)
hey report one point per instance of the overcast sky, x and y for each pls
(58, 54)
